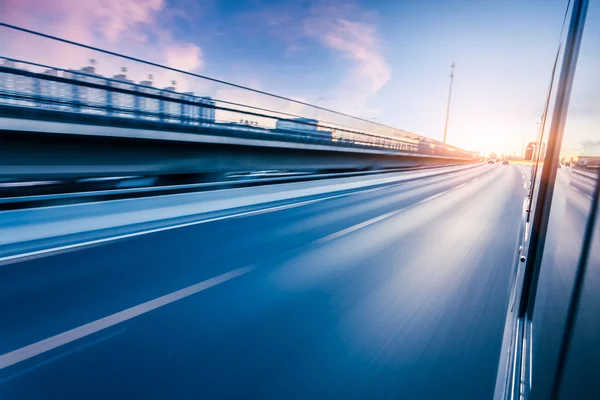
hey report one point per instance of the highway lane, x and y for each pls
(104, 269)
(395, 292)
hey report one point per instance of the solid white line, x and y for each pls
(39, 253)
(372, 221)
(357, 227)
(27, 352)
(435, 196)
(33, 254)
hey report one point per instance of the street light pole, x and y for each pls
(448, 105)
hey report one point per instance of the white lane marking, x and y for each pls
(356, 227)
(435, 196)
(37, 253)
(35, 349)
(372, 221)
(587, 196)
(32, 350)
(61, 355)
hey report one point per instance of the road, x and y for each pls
(393, 292)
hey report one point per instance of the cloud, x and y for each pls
(83, 20)
(116, 17)
(187, 57)
(360, 43)
(148, 29)
(131, 27)
(346, 29)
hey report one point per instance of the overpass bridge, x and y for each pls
(69, 122)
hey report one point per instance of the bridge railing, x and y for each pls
(189, 99)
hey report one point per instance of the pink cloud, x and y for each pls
(116, 17)
(187, 57)
(122, 26)
(83, 20)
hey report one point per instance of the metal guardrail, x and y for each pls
(587, 173)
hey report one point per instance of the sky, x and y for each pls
(386, 61)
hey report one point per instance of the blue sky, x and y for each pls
(386, 61)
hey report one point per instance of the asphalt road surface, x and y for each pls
(394, 292)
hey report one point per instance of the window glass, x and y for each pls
(576, 178)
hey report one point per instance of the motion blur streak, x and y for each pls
(333, 308)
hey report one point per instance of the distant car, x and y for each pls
(504, 162)
(491, 162)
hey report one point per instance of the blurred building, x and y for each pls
(8, 83)
(124, 104)
(170, 110)
(588, 161)
(207, 114)
(31, 91)
(86, 99)
(148, 107)
(17, 89)
(529, 151)
(298, 124)
(306, 126)
(53, 95)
